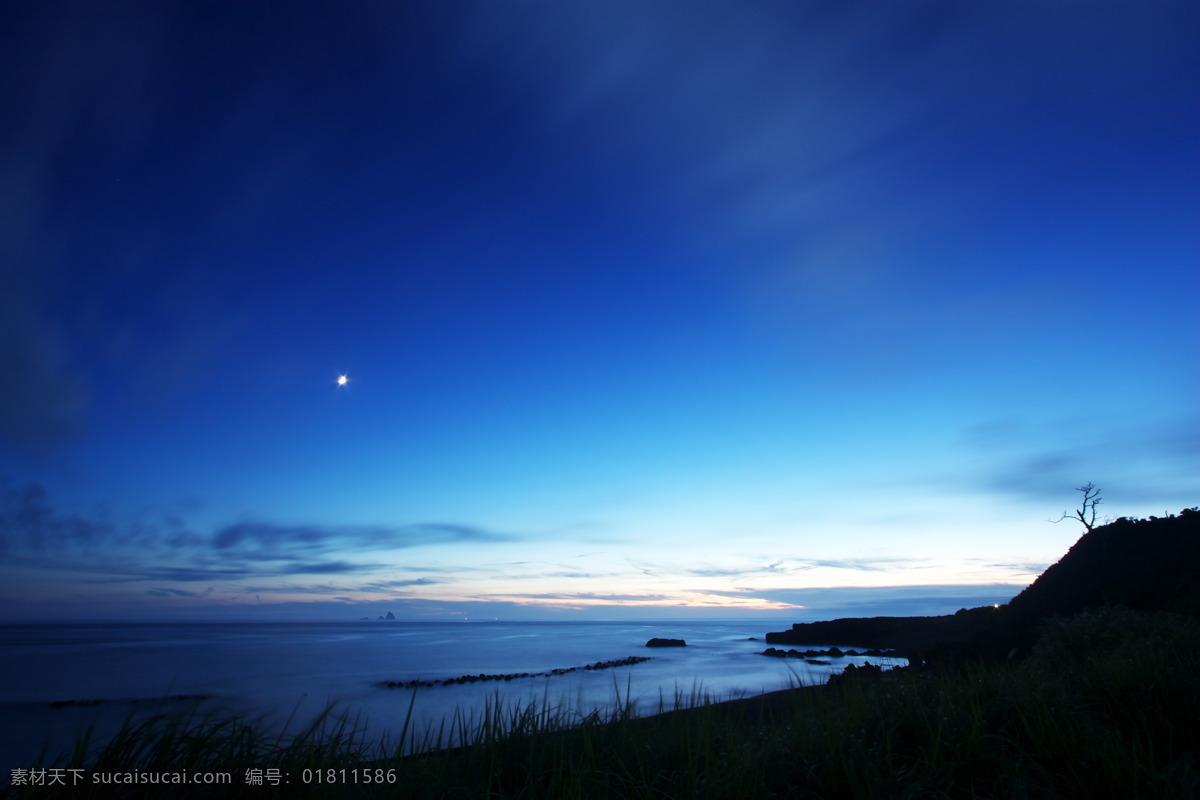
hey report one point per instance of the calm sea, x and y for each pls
(282, 670)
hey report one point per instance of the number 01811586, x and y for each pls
(364, 775)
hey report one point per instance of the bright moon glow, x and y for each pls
(342, 380)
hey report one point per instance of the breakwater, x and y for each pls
(98, 701)
(418, 683)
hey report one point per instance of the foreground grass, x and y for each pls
(1105, 707)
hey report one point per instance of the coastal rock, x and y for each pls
(832, 652)
(656, 642)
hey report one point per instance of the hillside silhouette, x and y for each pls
(1140, 564)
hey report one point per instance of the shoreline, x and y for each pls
(767, 708)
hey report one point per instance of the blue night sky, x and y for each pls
(647, 309)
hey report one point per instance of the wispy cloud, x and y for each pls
(150, 572)
(394, 585)
(596, 597)
(326, 568)
(34, 535)
(262, 540)
(29, 525)
(799, 565)
(1136, 464)
(276, 562)
(384, 588)
(1030, 568)
(175, 593)
(723, 572)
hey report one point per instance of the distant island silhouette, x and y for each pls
(1141, 564)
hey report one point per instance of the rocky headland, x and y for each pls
(1140, 564)
(904, 636)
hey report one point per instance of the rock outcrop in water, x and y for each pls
(832, 652)
(656, 642)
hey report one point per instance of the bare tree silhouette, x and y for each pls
(1086, 513)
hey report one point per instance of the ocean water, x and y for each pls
(295, 670)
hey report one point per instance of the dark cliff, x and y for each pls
(903, 633)
(1147, 565)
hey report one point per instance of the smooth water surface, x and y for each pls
(297, 669)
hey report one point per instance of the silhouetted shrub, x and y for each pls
(1117, 633)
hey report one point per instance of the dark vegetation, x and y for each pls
(1100, 700)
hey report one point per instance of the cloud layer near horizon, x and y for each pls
(165, 568)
